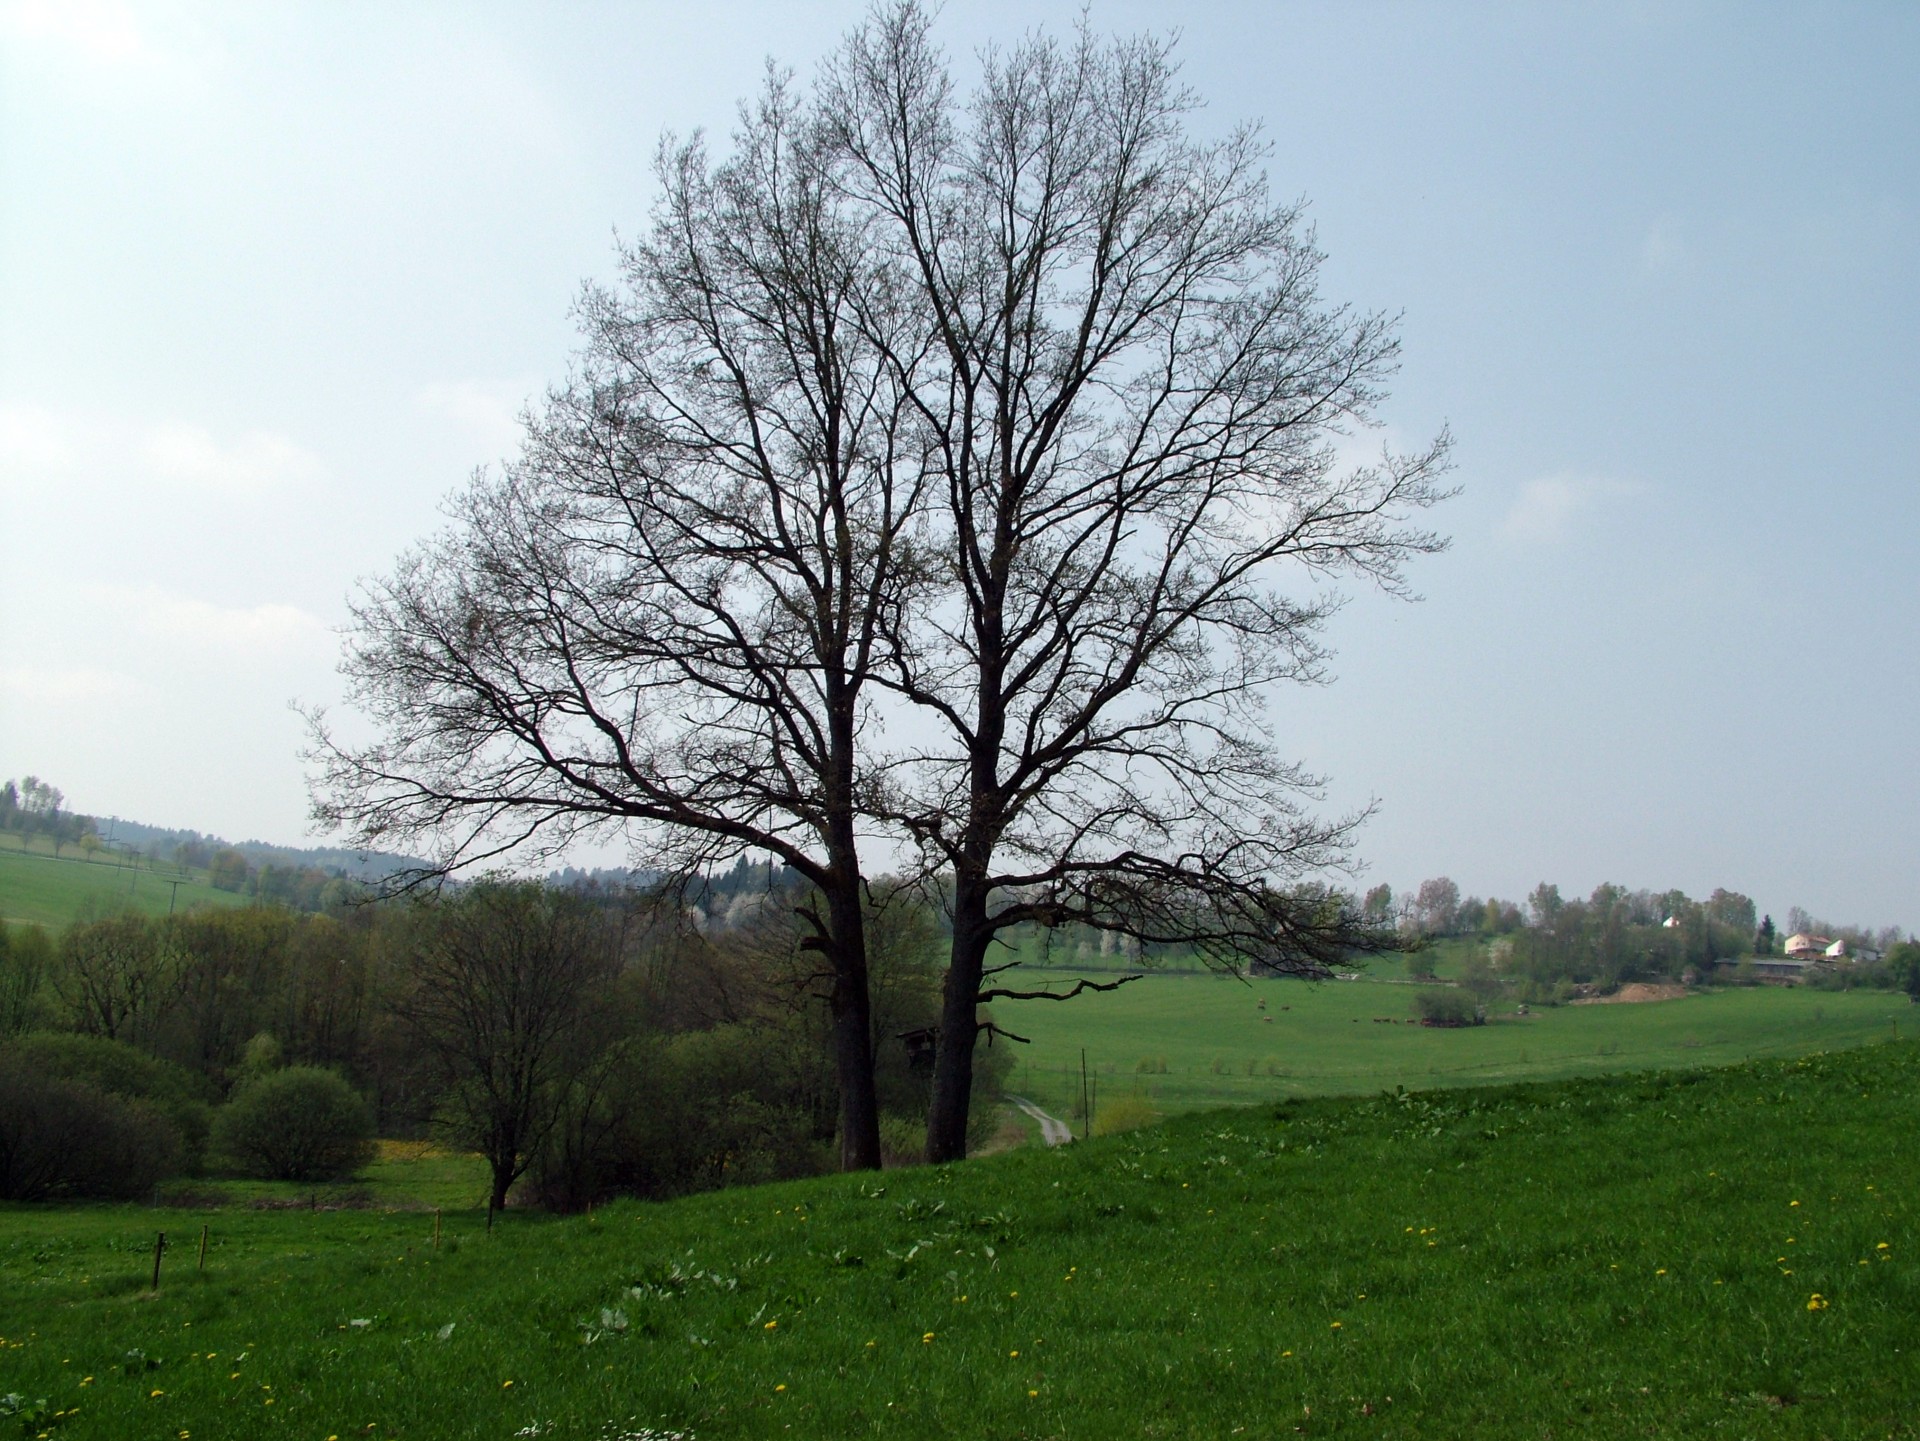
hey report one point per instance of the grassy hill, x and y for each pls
(1731, 1252)
(1218, 1046)
(47, 890)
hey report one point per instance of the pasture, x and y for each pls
(1191, 1041)
(41, 889)
(1697, 1253)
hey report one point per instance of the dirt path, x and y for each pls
(1053, 1130)
(1637, 993)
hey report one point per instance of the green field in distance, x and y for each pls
(1219, 1047)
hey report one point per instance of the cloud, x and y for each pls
(38, 443)
(1544, 511)
(251, 630)
(256, 462)
(70, 686)
(488, 410)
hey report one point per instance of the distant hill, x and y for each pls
(355, 864)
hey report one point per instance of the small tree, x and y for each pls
(1446, 1006)
(1903, 965)
(300, 1124)
(508, 996)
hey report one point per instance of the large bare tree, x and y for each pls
(1133, 407)
(1016, 409)
(665, 616)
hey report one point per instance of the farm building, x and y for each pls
(1804, 947)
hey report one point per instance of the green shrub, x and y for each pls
(903, 1140)
(117, 1069)
(1446, 1006)
(300, 1124)
(1123, 1113)
(63, 1138)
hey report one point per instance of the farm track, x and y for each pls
(1053, 1130)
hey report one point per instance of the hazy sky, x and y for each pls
(274, 278)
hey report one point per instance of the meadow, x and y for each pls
(44, 890)
(1700, 1253)
(1194, 1040)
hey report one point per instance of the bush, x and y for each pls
(114, 1068)
(62, 1138)
(1123, 1113)
(1446, 1006)
(300, 1124)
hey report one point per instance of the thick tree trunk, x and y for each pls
(953, 1055)
(852, 1010)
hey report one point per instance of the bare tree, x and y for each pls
(1132, 406)
(1012, 412)
(665, 617)
(509, 992)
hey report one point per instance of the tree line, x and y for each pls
(33, 807)
(1542, 949)
(587, 1043)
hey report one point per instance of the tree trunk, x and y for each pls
(852, 1009)
(953, 1055)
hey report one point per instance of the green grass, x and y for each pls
(44, 890)
(1342, 1037)
(406, 1176)
(1603, 1257)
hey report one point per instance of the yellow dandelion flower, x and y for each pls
(927, 1339)
(1816, 1302)
(1014, 1354)
(505, 1384)
(1334, 1327)
(1033, 1393)
(154, 1393)
(873, 1343)
(1661, 1272)
(770, 1326)
(781, 1387)
(1285, 1354)
(1881, 1247)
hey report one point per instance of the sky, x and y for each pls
(275, 279)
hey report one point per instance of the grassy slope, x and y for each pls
(1344, 1037)
(1589, 1258)
(43, 890)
